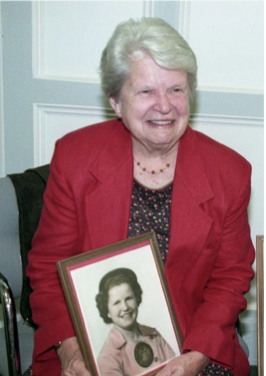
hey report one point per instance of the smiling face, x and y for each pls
(122, 306)
(154, 105)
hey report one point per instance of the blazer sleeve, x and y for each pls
(212, 330)
(55, 239)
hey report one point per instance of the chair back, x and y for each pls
(10, 258)
(21, 201)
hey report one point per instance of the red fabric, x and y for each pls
(87, 206)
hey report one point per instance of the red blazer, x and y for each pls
(209, 265)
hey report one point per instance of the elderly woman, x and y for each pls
(131, 348)
(145, 170)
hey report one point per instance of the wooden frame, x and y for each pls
(260, 301)
(81, 276)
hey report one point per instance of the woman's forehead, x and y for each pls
(121, 288)
(146, 72)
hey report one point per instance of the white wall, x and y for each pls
(226, 37)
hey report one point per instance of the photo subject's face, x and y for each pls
(122, 306)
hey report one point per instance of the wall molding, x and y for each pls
(36, 40)
(53, 121)
(38, 44)
(184, 19)
(226, 119)
(148, 8)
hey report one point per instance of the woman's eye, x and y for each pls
(146, 92)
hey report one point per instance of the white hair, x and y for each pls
(134, 38)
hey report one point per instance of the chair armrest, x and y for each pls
(10, 326)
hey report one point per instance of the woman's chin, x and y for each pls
(128, 326)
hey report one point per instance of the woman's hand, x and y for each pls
(189, 364)
(71, 359)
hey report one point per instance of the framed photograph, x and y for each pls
(121, 308)
(260, 302)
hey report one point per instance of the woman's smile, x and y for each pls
(160, 122)
(126, 315)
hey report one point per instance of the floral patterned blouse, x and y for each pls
(150, 210)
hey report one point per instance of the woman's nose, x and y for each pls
(124, 306)
(163, 103)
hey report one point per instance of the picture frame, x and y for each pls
(260, 302)
(81, 277)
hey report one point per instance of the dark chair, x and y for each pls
(21, 200)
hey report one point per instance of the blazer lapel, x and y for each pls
(190, 225)
(113, 175)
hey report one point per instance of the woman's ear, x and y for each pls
(116, 106)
